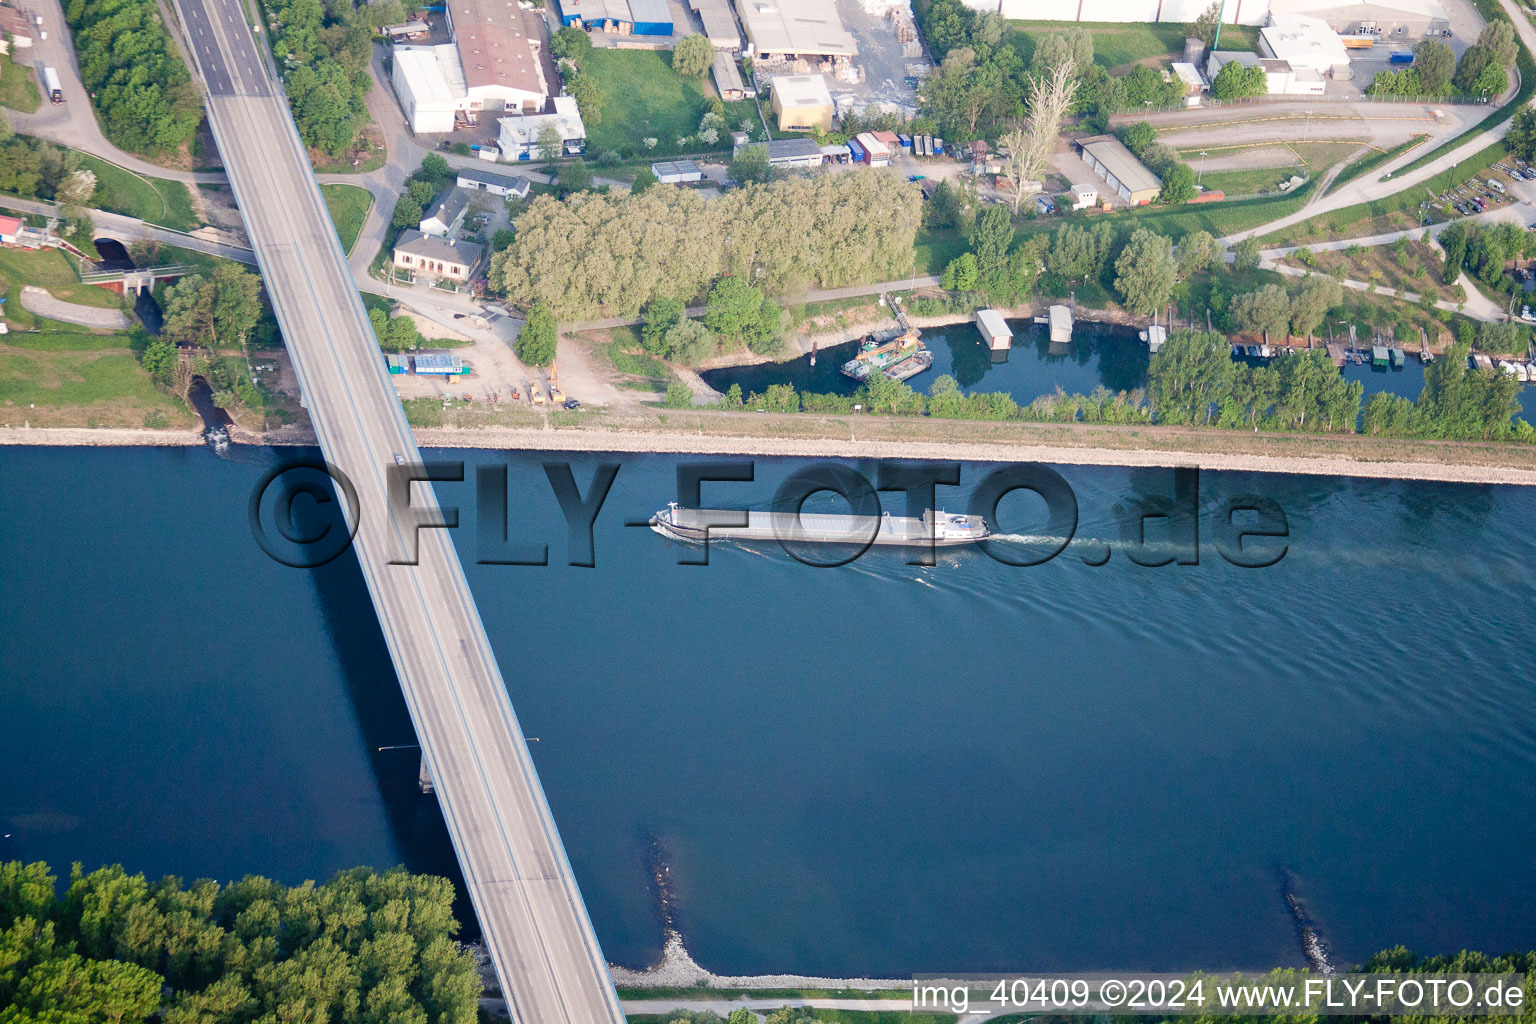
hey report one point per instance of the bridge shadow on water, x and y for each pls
(415, 820)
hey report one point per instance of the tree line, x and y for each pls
(137, 80)
(115, 948)
(1482, 70)
(323, 51)
(610, 255)
(1194, 381)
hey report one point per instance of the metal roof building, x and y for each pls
(728, 81)
(1393, 20)
(796, 27)
(490, 181)
(719, 23)
(1127, 176)
(676, 172)
(1305, 43)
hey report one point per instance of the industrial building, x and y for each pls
(442, 257)
(728, 81)
(788, 29)
(788, 153)
(492, 65)
(619, 17)
(1306, 44)
(519, 138)
(1391, 20)
(497, 184)
(803, 103)
(15, 28)
(1280, 79)
(677, 172)
(868, 148)
(1126, 176)
(719, 23)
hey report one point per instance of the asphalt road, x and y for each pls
(525, 895)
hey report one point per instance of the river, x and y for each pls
(875, 769)
(1099, 354)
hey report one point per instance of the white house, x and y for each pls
(520, 135)
(446, 215)
(1084, 196)
(474, 179)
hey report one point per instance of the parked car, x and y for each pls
(571, 403)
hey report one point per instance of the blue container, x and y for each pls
(1401, 58)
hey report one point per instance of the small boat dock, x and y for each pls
(1336, 354)
(1154, 336)
(1059, 318)
(994, 329)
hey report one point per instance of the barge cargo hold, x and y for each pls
(946, 529)
(901, 358)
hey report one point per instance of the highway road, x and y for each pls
(524, 893)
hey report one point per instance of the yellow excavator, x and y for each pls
(555, 394)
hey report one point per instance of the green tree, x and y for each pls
(536, 342)
(1266, 311)
(1146, 271)
(961, 274)
(589, 97)
(1234, 81)
(991, 238)
(644, 179)
(572, 44)
(550, 143)
(1203, 28)
(1245, 254)
(407, 214)
(1198, 253)
(738, 312)
(750, 164)
(236, 302)
(660, 316)
(1311, 304)
(1192, 373)
(574, 176)
(692, 55)
(1178, 184)
(1435, 62)
(678, 396)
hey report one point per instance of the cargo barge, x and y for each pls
(946, 529)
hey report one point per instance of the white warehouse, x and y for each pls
(1239, 12)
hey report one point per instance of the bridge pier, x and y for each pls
(424, 778)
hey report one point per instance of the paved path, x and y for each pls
(1379, 183)
(38, 300)
(131, 229)
(815, 295)
(762, 1007)
(73, 122)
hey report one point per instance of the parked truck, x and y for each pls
(51, 83)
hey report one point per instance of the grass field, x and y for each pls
(349, 206)
(156, 200)
(50, 269)
(1118, 44)
(1411, 265)
(644, 98)
(17, 88)
(933, 249)
(81, 388)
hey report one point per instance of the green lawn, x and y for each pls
(50, 269)
(1116, 44)
(156, 200)
(17, 89)
(97, 388)
(644, 98)
(933, 249)
(349, 205)
(1251, 181)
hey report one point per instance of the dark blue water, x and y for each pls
(877, 769)
(1099, 354)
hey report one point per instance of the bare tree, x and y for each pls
(1030, 147)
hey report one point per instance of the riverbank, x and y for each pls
(875, 437)
(678, 970)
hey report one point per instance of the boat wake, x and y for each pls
(1313, 949)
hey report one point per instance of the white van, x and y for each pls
(1496, 185)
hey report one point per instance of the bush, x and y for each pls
(537, 341)
(678, 396)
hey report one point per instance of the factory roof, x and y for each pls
(498, 44)
(796, 26)
(1111, 153)
(1380, 9)
(430, 72)
(801, 91)
(1304, 42)
(650, 12)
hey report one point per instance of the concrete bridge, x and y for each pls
(519, 880)
(137, 279)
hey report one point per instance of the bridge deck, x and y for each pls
(531, 914)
